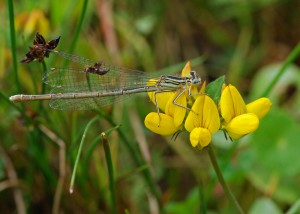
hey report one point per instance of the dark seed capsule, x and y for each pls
(40, 49)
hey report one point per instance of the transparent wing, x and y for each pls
(114, 79)
(71, 80)
(85, 103)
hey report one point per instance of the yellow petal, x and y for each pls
(204, 114)
(162, 125)
(161, 98)
(195, 116)
(194, 91)
(186, 70)
(231, 103)
(242, 125)
(152, 82)
(211, 118)
(200, 137)
(260, 107)
(175, 111)
(202, 90)
(20, 20)
(36, 22)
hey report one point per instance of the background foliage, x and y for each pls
(246, 40)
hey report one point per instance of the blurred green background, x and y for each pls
(247, 41)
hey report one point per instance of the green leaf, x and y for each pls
(189, 205)
(276, 143)
(264, 205)
(214, 89)
(295, 208)
(274, 156)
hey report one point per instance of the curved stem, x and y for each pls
(222, 180)
(79, 152)
(138, 160)
(110, 172)
(292, 57)
(79, 26)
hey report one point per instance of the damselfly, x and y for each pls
(98, 84)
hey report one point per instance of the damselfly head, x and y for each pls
(195, 80)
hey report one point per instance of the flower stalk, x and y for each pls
(221, 179)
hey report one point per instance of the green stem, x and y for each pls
(13, 42)
(137, 160)
(292, 57)
(222, 180)
(41, 108)
(202, 198)
(10, 103)
(79, 26)
(44, 72)
(79, 151)
(295, 208)
(110, 172)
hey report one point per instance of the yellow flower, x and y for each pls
(169, 122)
(33, 21)
(160, 124)
(202, 121)
(260, 107)
(241, 119)
(161, 98)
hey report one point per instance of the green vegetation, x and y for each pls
(254, 44)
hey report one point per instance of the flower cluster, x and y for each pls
(205, 117)
(40, 49)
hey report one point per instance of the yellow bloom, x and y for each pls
(33, 21)
(166, 125)
(241, 119)
(242, 125)
(260, 107)
(161, 98)
(202, 121)
(169, 122)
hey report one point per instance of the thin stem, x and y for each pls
(139, 161)
(79, 26)
(92, 146)
(79, 152)
(6, 99)
(292, 57)
(41, 107)
(295, 208)
(13, 42)
(13, 178)
(222, 180)
(44, 71)
(62, 166)
(110, 172)
(202, 198)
